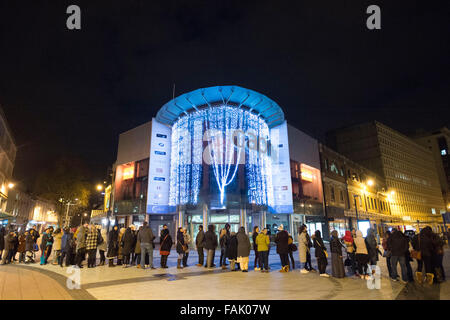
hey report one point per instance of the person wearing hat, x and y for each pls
(282, 241)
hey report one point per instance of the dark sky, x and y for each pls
(72, 92)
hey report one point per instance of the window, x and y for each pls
(332, 194)
(341, 195)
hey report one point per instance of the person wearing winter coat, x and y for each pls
(210, 245)
(80, 236)
(165, 246)
(46, 245)
(438, 258)
(243, 250)
(187, 242)
(387, 252)
(200, 244)
(337, 264)
(398, 245)
(145, 239)
(282, 241)
(29, 246)
(66, 247)
(291, 250)
(257, 264)
(128, 243)
(2, 240)
(303, 247)
(91, 245)
(223, 247)
(120, 253)
(57, 236)
(262, 243)
(350, 248)
(21, 249)
(101, 245)
(231, 251)
(113, 245)
(180, 247)
(372, 246)
(426, 245)
(362, 255)
(321, 254)
(8, 247)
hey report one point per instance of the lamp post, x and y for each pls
(69, 203)
(356, 208)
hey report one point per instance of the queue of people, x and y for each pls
(130, 247)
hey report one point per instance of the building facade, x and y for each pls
(355, 197)
(438, 142)
(408, 168)
(8, 151)
(214, 156)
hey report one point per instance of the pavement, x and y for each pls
(51, 282)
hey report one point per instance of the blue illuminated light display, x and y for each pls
(226, 138)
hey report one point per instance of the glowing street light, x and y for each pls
(99, 187)
(11, 185)
(370, 182)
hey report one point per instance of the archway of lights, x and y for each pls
(228, 139)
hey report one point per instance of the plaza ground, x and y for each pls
(29, 282)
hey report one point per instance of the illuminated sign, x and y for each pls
(128, 173)
(307, 176)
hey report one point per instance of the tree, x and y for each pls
(65, 181)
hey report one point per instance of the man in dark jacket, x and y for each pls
(282, 241)
(29, 246)
(145, 238)
(9, 247)
(398, 245)
(200, 244)
(210, 245)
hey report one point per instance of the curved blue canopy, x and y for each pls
(256, 102)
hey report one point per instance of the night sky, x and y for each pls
(70, 93)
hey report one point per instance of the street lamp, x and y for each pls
(11, 185)
(370, 182)
(99, 187)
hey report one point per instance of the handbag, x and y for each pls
(387, 253)
(293, 247)
(347, 262)
(323, 249)
(416, 254)
(35, 247)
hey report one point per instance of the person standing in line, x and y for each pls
(257, 264)
(231, 251)
(91, 245)
(46, 245)
(2, 241)
(187, 243)
(22, 246)
(101, 244)
(165, 246)
(200, 244)
(128, 242)
(282, 241)
(262, 242)
(372, 247)
(8, 239)
(408, 259)
(113, 245)
(222, 243)
(321, 254)
(387, 252)
(292, 248)
(80, 236)
(57, 246)
(210, 245)
(29, 246)
(438, 257)
(350, 247)
(427, 249)
(137, 249)
(362, 255)
(243, 250)
(65, 247)
(145, 240)
(308, 252)
(180, 247)
(337, 264)
(120, 253)
(303, 244)
(398, 245)
(15, 246)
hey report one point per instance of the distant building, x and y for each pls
(347, 184)
(408, 168)
(7, 157)
(438, 143)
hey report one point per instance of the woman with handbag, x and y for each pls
(337, 265)
(181, 248)
(303, 245)
(350, 247)
(113, 245)
(187, 242)
(166, 244)
(321, 254)
(362, 255)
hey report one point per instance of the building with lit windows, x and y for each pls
(7, 157)
(218, 155)
(354, 196)
(408, 168)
